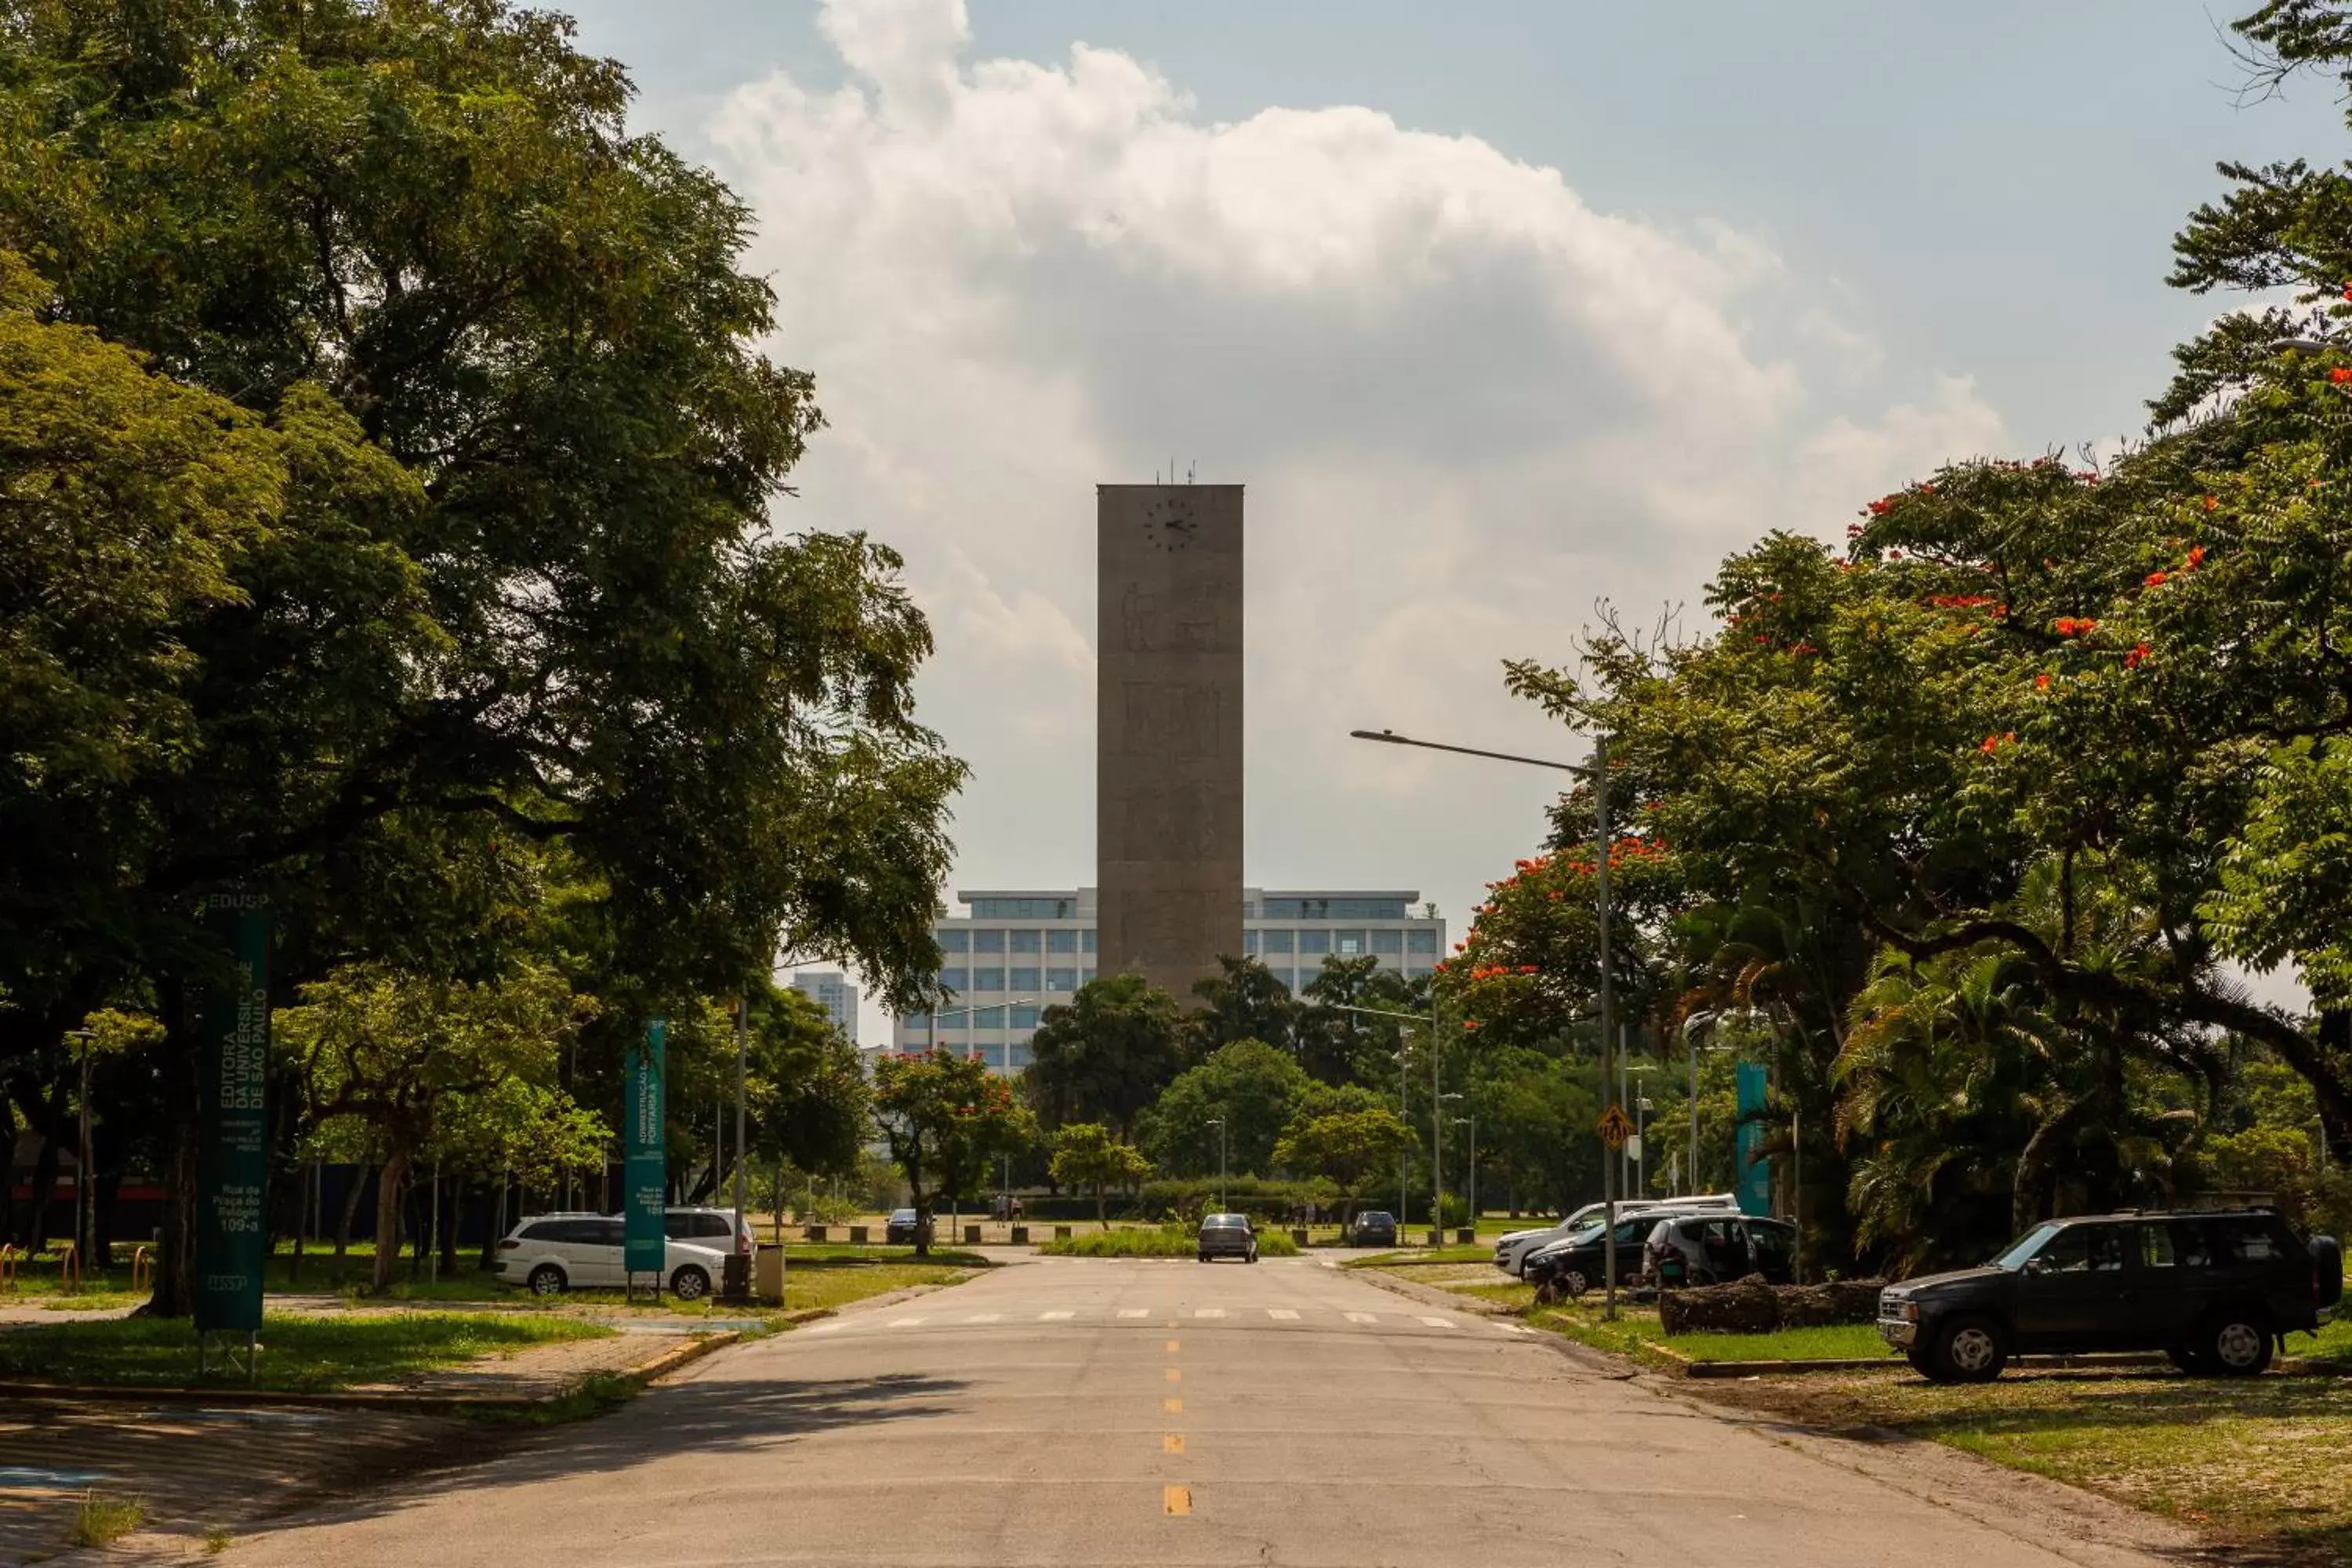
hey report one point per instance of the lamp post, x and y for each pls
(1641, 1150)
(83, 1212)
(1219, 1123)
(1436, 1179)
(1472, 1123)
(1597, 771)
(737, 1269)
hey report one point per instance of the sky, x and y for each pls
(1502, 313)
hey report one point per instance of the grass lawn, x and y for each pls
(1425, 1257)
(300, 1351)
(1160, 1242)
(836, 1282)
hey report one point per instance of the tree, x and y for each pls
(1349, 1147)
(1253, 1087)
(1338, 1046)
(945, 1117)
(1084, 1154)
(1104, 1055)
(530, 444)
(1242, 1001)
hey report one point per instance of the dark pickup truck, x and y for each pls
(2216, 1291)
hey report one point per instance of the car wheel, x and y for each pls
(2235, 1344)
(1968, 1349)
(689, 1284)
(1572, 1283)
(547, 1280)
(1204, 1257)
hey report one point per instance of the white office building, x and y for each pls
(1011, 954)
(832, 991)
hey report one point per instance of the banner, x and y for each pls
(1754, 1186)
(646, 1173)
(233, 1121)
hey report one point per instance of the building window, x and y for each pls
(1086, 977)
(1020, 1055)
(1024, 908)
(953, 939)
(1063, 941)
(1061, 980)
(1277, 940)
(1314, 941)
(1335, 908)
(1418, 972)
(1086, 939)
(988, 941)
(1388, 941)
(1249, 944)
(1348, 943)
(988, 1018)
(953, 979)
(1421, 939)
(916, 1021)
(1024, 1017)
(988, 980)
(1026, 940)
(1022, 979)
(953, 1023)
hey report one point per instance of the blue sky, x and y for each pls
(1499, 309)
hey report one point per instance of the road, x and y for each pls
(1092, 1411)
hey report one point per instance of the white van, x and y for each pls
(1513, 1251)
(552, 1253)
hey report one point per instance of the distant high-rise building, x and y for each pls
(1016, 953)
(832, 991)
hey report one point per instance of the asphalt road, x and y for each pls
(1084, 1412)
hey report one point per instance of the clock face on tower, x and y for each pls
(1171, 522)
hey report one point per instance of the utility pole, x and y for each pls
(1608, 1006)
(738, 1285)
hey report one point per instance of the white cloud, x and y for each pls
(1468, 405)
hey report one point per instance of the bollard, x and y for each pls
(857, 1235)
(814, 1232)
(9, 1256)
(142, 1270)
(1298, 1235)
(1061, 1232)
(1020, 1236)
(972, 1236)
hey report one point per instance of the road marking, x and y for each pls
(1361, 1317)
(1053, 1317)
(1209, 1312)
(1439, 1322)
(1514, 1327)
(1172, 1406)
(826, 1328)
(907, 1322)
(1134, 1312)
(1172, 1443)
(1177, 1500)
(1284, 1313)
(1175, 1345)
(985, 1318)
(1174, 1375)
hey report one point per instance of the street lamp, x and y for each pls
(1219, 1123)
(1597, 771)
(1472, 1123)
(1436, 1175)
(1640, 1171)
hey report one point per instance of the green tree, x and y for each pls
(1103, 1055)
(1253, 1087)
(945, 1117)
(1242, 1001)
(1352, 1149)
(1086, 1154)
(1340, 1047)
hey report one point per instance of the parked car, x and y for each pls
(1227, 1235)
(1710, 1249)
(1513, 1249)
(1579, 1262)
(1374, 1228)
(2215, 1291)
(710, 1228)
(899, 1227)
(550, 1253)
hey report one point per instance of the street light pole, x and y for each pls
(738, 1267)
(1219, 1123)
(84, 1214)
(1472, 1123)
(1437, 1199)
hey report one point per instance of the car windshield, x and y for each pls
(2024, 1248)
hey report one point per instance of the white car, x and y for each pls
(1513, 1251)
(549, 1254)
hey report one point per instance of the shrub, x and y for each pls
(1162, 1241)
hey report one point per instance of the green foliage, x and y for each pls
(1104, 1055)
(1272, 1202)
(1349, 1148)
(1255, 1087)
(1084, 1154)
(302, 1351)
(945, 1117)
(1162, 1241)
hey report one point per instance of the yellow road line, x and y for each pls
(1174, 1345)
(1172, 1406)
(1174, 1375)
(1176, 1500)
(1172, 1443)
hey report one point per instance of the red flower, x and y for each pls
(1527, 969)
(2138, 656)
(1853, 530)
(2040, 683)
(1469, 1023)
(1991, 744)
(2155, 579)
(2196, 557)
(2212, 501)
(1881, 507)
(2074, 626)
(1557, 896)
(2340, 374)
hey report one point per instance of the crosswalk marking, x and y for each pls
(1284, 1313)
(907, 1322)
(1208, 1311)
(1514, 1327)
(825, 1329)
(1053, 1317)
(1361, 1317)
(1439, 1322)
(985, 1318)
(1134, 1312)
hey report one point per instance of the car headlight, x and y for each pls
(1908, 1312)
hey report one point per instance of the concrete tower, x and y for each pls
(1168, 713)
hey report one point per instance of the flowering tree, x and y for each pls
(945, 1117)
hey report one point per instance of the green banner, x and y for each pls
(1754, 1186)
(646, 1173)
(233, 1121)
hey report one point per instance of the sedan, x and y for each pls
(1228, 1236)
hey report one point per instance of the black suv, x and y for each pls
(2215, 1291)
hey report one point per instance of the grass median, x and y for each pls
(1165, 1241)
(300, 1352)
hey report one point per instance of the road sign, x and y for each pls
(232, 1122)
(647, 1169)
(1615, 1127)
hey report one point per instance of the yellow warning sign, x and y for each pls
(1615, 1127)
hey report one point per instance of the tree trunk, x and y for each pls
(175, 1260)
(349, 1217)
(390, 1180)
(45, 1196)
(455, 1198)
